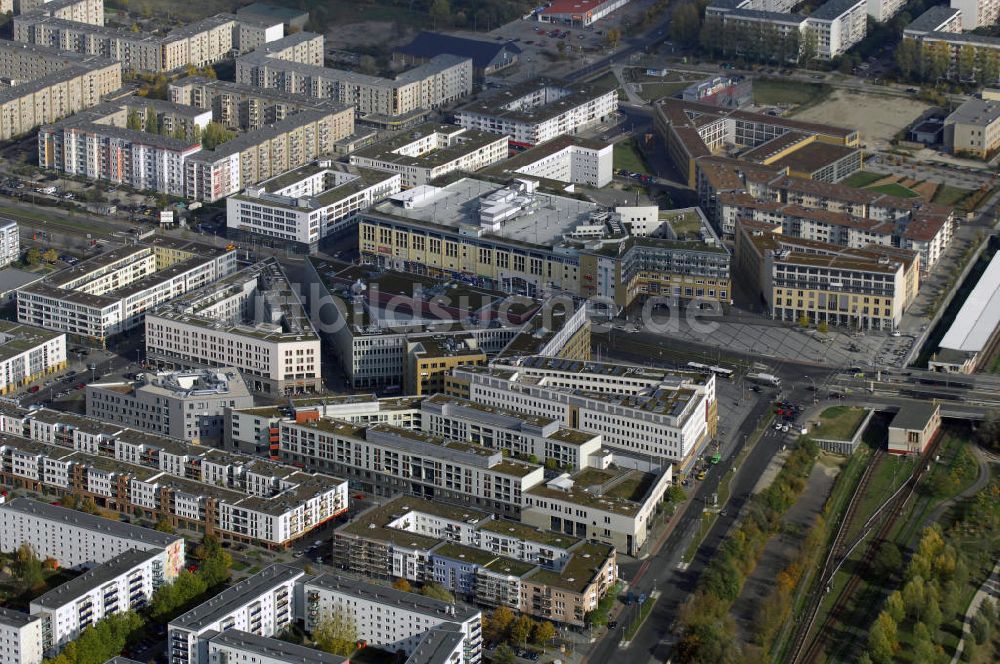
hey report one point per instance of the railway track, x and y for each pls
(881, 523)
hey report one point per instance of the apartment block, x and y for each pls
(20, 637)
(977, 13)
(540, 110)
(297, 140)
(252, 320)
(939, 18)
(262, 604)
(973, 128)
(388, 618)
(239, 647)
(109, 294)
(124, 583)
(565, 159)
(308, 204)
(77, 539)
(303, 47)
(27, 354)
(430, 151)
(188, 405)
(389, 102)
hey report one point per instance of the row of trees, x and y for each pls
(429, 589)
(101, 641)
(760, 42)
(502, 626)
(708, 629)
(929, 62)
(212, 136)
(215, 568)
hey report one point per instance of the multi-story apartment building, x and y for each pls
(28, 353)
(565, 159)
(242, 107)
(297, 140)
(262, 604)
(50, 84)
(369, 317)
(77, 539)
(302, 47)
(20, 637)
(253, 321)
(552, 576)
(643, 411)
(977, 13)
(109, 294)
(386, 617)
(238, 647)
(188, 405)
(838, 26)
(235, 497)
(430, 151)
(397, 102)
(302, 207)
(883, 10)
(123, 583)
(796, 278)
(540, 110)
(386, 459)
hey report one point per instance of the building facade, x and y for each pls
(28, 353)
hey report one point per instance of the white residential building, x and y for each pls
(977, 13)
(188, 405)
(20, 637)
(430, 151)
(540, 110)
(262, 604)
(28, 353)
(253, 321)
(123, 583)
(10, 242)
(308, 204)
(234, 646)
(109, 294)
(883, 10)
(388, 618)
(78, 539)
(838, 25)
(568, 159)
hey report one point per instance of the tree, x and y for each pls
(907, 56)
(882, 639)
(613, 36)
(988, 433)
(895, 607)
(521, 630)
(711, 36)
(543, 633)
(437, 592)
(402, 584)
(803, 321)
(164, 526)
(28, 568)
(888, 561)
(440, 12)
(966, 62)
(822, 327)
(914, 596)
(498, 624)
(336, 634)
(504, 655)
(685, 25)
(33, 256)
(209, 72)
(133, 122)
(367, 65)
(809, 47)
(50, 256)
(152, 122)
(215, 135)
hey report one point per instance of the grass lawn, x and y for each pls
(686, 225)
(776, 92)
(627, 157)
(653, 91)
(893, 189)
(608, 78)
(839, 422)
(861, 179)
(949, 195)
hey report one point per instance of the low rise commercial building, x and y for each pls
(578, 13)
(913, 428)
(973, 129)
(79, 540)
(539, 110)
(252, 320)
(27, 354)
(973, 337)
(108, 295)
(430, 359)
(262, 604)
(488, 57)
(565, 159)
(430, 151)
(390, 102)
(304, 206)
(188, 405)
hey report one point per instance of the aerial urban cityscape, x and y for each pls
(499, 332)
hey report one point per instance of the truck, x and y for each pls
(764, 379)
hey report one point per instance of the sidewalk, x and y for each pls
(989, 590)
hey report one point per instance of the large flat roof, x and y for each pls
(234, 597)
(273, 649)
(390, 596)
(96, 577)
(980, 314)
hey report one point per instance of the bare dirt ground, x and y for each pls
(781, 549)
(368, 33)
(878, 118)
